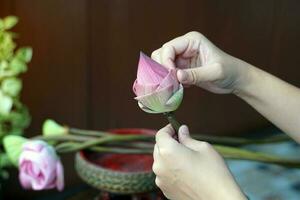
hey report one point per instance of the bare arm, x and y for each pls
(274, 98)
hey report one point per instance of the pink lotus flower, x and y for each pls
(39, 167)
(157, 89)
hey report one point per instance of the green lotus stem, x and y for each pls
(121, 150)
(226, 152)
(172, 120)
(233, 141)
(241, 154)
(102, 140)
(88, 132)
(62, 138)
(237, 141)
(132, 144)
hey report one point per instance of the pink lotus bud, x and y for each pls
(39, 167)
(156, 88)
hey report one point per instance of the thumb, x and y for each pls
(185, 138)
(194, 76)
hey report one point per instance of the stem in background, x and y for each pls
(172, 120)
(226, 152)
(235, 141)
(238, 141)
(71, 146)
(121, 150)
(88, 132)
(241, 154)
(62, 138)
(84, 135)
(73, 143)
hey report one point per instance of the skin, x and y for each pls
(191, 169)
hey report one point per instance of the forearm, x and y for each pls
(275, 99)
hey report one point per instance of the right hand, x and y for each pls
(202, 64)
(188, 169)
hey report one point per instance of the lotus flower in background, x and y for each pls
(156, 88)
(39, 167)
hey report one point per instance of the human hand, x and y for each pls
(191, 169)
(201, 63)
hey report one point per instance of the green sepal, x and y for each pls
(13, 147)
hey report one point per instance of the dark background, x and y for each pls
(86, 53)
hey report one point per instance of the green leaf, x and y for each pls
(24, 54)
(13, 147)
(6, 103)
(17, 66)
(11, 86)
(9, 22)
(1, 25)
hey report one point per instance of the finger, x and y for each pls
(185, 139)
(182, 63)
(156, 55)
(197, 75)
(164, 136)
(171, 49)
(158, 182)
(156, 155)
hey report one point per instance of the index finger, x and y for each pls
(171, 49)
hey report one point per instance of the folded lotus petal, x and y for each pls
(32, 169)
(59, 176)
(140, 90)
(144, 108)
(30, 156)
(170, 79)
(49, 166)
(174, 102)
(38, 183)
(149, 71)
(25, 180)
(156, 101)
(35, 145)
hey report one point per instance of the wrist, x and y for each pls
(246, 79)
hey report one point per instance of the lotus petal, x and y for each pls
(150, 72)
(156, 101)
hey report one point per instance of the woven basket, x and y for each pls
(114, 181)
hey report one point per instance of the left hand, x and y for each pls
(190, 169)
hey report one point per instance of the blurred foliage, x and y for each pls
(14, 116)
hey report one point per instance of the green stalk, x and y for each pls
(232, 141)
(88, 132)
(237, 141)
(102, 140)
(241, 154)
(172, 120)
(63, 138)
(121, 150)
(226, 152)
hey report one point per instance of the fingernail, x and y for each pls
(184, 130)
(182, 76)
